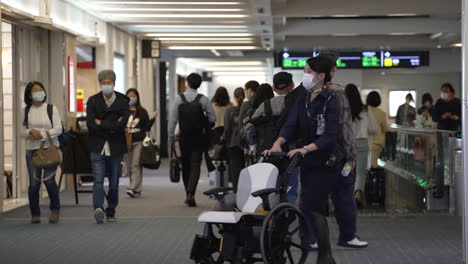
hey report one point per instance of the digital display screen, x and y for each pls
(361, 60)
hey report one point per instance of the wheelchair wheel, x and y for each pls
(213, 233)
(280, 241)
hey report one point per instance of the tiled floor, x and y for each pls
(158, 228)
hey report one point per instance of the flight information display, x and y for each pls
(361, 60)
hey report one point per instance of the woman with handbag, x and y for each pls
(42, 126)
(137, 126)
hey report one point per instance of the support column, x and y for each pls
(2, 160)
(465, 126)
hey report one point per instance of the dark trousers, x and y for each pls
(345, 207)
(48, 175)
(236, 164)
(191, 163)
(109, 166)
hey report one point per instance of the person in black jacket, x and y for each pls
(107, 113)
(137, 126)
(447, 111)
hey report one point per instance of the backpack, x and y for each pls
(192, 119)
(244, 123)
(268, 127)
(64, 137)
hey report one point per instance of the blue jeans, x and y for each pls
(345, 208)
(35, 185)
(106, 166)
(293, 182)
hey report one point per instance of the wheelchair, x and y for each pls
(261, 227)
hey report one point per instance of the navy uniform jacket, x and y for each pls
(302, 124)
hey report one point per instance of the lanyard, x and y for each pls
(308, 101)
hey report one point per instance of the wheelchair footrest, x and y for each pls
(201, 248)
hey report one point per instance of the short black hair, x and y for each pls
(427, 97)
(283, 79)
(373, 99)
(252, 85)
(194, 80)
(410, 96)
(322, 64)
(28, 92)
(448, 85)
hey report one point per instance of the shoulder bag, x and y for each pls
(46, 157)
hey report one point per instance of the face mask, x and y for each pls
(107, 89)
(427, 104)
(308, 81)
(38, 96)
(444, 96)
(133, 101)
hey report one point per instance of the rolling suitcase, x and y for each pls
(375, 189)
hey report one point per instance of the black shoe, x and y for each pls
(111, 218)
(191, 200)
(131, 193)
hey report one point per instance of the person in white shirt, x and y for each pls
(364, 125)
(38, 126)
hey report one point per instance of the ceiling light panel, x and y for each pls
(199, 35)
(212, 47)
(177, 15)
(191, 26)
(206, 39)
(232, 63)
(130, 9)
(164, 3)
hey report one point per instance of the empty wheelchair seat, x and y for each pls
(251, 179)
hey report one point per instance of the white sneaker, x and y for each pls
(99, 215)
(314, 246)
(355, 243)
(130, 193)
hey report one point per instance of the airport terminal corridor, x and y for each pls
(158, 228)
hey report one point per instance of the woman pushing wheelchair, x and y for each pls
(314, 122)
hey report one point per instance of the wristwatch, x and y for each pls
(305, 147)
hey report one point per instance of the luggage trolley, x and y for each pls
(263, 227)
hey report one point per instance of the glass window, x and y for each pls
(119, 69)
(397, 98)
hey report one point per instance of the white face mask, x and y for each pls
(444, 96)
(308, 81)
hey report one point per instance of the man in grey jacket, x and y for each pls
(192, 143)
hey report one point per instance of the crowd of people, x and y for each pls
(329, 125)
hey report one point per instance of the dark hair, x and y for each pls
(221, 97)
(410, 97)
(448, 85)
(239, 95)
(28, 92)
(373, 99)
(264, 92)
(138, 106)
(194, 80)
(427, 97)
(355, 101)
(332, 55)
(322, 64)
(252, 85)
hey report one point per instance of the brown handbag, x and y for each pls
(46, 157)
(128, 138)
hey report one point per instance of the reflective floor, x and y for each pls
(158, 228)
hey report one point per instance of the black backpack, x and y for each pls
(64, 137)
(192, 119)
(267, 126)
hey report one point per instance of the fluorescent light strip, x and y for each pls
(232, 63)
(240, 73)
(212, 47)
(216, 53)
(177, 15)
(189, 26)
(199, 35)
(163, 3)
(236, 69)
(131, 9)
(207, 39)
(230, 42)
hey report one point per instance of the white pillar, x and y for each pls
(465, 125)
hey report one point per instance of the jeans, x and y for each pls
(35, 185)
(345, 208)
(100, 165)
(293, 182)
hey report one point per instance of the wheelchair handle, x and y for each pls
(294, 162)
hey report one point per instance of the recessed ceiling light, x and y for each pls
(216, 53)
(199, 35)
(207, 39)
(189, 26)
(436, 35)
(457, 44)
(163, 3)
(178, 15)
(212, 47)
(351, 15)
(130, 9)
(209, 42)
(402, 15)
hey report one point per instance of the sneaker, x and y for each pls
(137, 194)
(111, 218)
(35, 220)
(355, 243)
(313, 246)
(54, 216)
(99, 215)
(130, 193)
